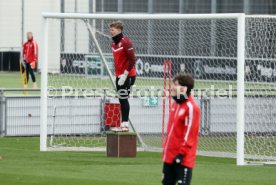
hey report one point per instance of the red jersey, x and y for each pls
(30, 51)
(182, 132)
(124, 57)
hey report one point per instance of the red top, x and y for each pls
(30, 51)
(124, 57)
(182, 132)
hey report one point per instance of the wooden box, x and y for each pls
(121, 144)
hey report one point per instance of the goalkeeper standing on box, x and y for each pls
(124, 62)
(179, 151)
(30, 55)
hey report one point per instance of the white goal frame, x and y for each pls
(240, 120)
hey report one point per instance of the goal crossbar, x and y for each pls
(140, 16)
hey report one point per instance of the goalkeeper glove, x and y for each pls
(178, 159)
(122, 78)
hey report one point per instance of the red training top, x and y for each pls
(30, 51)
(124, 57)
(182, 132)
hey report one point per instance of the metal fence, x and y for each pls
(172, 6)
(20, 114)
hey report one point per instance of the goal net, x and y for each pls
(260, 89)
(231, 70)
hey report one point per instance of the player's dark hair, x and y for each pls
(185, 80)
(117, 25)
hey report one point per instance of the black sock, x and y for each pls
(124, 109)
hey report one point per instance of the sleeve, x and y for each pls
(129, 49)
(35, 52)
(190, 137)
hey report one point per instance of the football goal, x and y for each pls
(231, 57)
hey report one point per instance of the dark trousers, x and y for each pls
(29, 71)
(176, 173)
(123, 93)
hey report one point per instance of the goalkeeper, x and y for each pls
(124, 62)
(29, 55)
(180, 145)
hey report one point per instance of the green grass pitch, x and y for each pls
(12, 80)
(23, 164)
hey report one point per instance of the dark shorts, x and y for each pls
(124, 90)
(176, 173)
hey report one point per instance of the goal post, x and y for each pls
(44, 88)
(240, 89)
(77, 80)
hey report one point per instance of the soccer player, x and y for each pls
(29, 55)
(124, 62)
(180, 145)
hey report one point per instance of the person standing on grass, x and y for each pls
(179, 152)
(30, 56)
(124, 63)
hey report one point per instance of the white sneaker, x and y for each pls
(124, 126)
(34, 85)
(116, 129)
